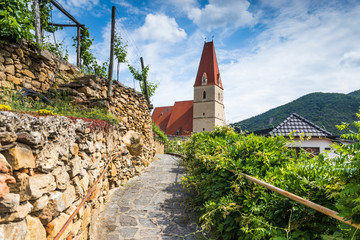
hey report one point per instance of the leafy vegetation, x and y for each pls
(324, 109)
(160, 134)
(62, 105)
(235, 208)
(16, 20)
(142, 76)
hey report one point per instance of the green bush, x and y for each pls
(235, 208)
(160, 134)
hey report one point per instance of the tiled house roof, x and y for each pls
(300, 125)
(175, 120)
(161, 116)
(181, 119)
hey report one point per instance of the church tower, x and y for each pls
(208, 93)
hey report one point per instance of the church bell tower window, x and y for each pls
(204, 95)
(204, 79)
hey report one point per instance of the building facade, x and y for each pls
(206, 110)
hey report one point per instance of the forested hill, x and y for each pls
(324, 109)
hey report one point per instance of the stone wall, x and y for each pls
(47, 164)
(55, 160)
(24, 67)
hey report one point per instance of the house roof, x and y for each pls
(209, 66)
(161, 116)
(300, 125)
(181, 119)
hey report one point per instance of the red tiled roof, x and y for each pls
(161, 116)
(181, 119)
(209, 65)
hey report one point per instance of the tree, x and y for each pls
(142, 76)
(120, 51)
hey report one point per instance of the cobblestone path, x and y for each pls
(151, 206)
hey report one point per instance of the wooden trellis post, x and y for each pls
(37, 21)
(111, 64)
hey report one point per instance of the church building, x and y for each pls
(206, 110)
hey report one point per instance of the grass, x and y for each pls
(61, 105)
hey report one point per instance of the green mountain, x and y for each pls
(324, 109)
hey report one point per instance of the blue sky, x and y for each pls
(270, 52)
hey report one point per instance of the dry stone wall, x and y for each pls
(54, 161)
(47, 164)
(24, 67)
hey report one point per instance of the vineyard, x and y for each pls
(232, 207)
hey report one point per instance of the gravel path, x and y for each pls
(151, 206)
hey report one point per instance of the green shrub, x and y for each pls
(160, 134)
(235, 208)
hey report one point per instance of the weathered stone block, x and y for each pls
(4, 180)
(86, 218)
(14, 80)
(18, 67)
(29, 138)
(40, 203)
(7, 137)
(56, 203)
(36, 84)
(133, 142)
(35, 229)
(4, 165)
(14, 230)
(9, 61)
(21, 212)
(20, 156)
(19, 52)
(2, 76)
(75, 164)
(40, 184)
(28, 73)
(87, 91)
(9, 202)
(62, 178)
(59, 201)
(10, 69)
(55, 225)
(84, 182)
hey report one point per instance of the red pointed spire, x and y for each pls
(208, 72)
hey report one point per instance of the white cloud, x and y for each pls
(161, 28)
(293, 57)
(222, 13)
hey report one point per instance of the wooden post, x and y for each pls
(37, 21)
(78, 60)
(111, 64)
(145, 82)
(118, 70)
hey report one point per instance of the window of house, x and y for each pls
(203, 114)
(203, 129)
(314, 151)
(204, 95)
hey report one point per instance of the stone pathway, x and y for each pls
(151, 206)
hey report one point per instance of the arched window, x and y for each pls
(204, 95)
(204, 79)
(219, 96)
